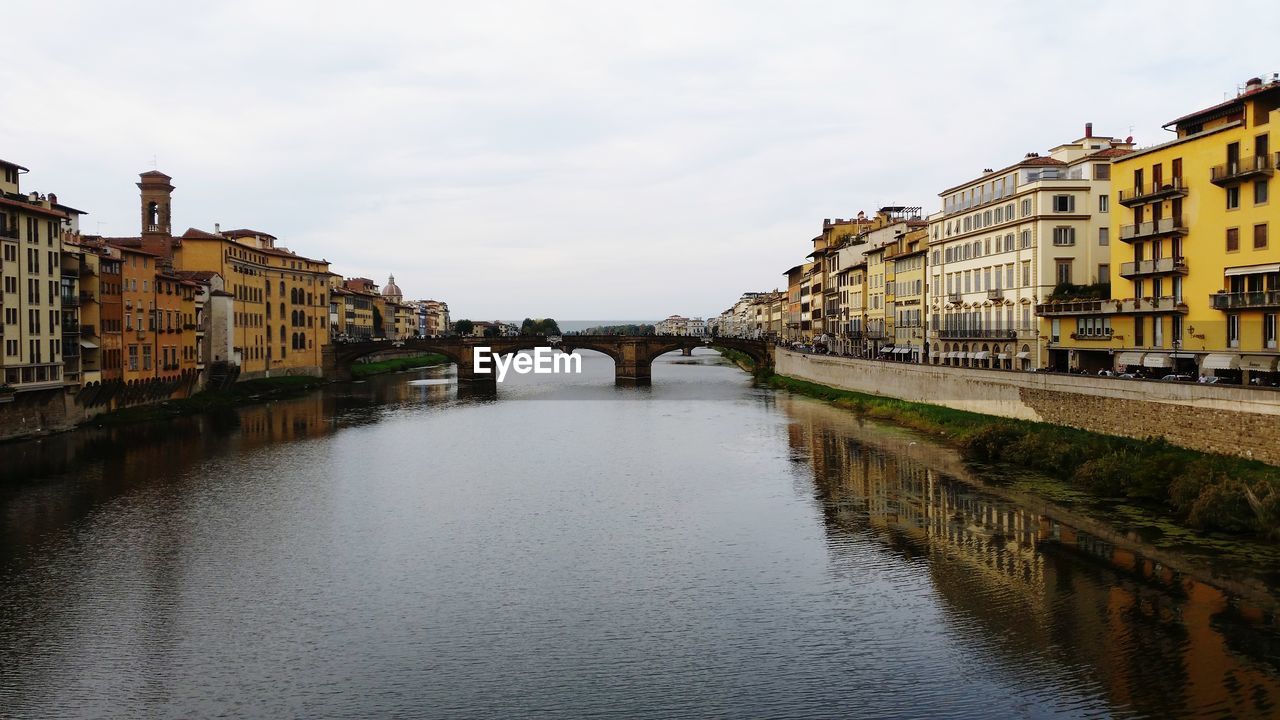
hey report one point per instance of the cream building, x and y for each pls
(1005, 240)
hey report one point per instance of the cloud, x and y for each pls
(579, 159)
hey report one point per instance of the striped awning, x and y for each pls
(1220, 361)
(1023, 355)
(1258, 363)
(1129, 358)
(981, 355)
(1157, 360)
(1002, 356)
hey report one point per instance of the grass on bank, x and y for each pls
(1203, 491)
(359, 371)
(242, 393)
(740, 359)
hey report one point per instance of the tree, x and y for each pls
(377, 322)
(464, 327)
(491, 331)
(548, 326)
(528, 327)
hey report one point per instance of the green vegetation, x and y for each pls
(542, 326)
(631, 329)
(1206, 492)
(1067, 291)
(740, 359)
(464, 327)
(247, 392)
(364, 370)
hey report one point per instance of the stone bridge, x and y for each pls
(632, 355)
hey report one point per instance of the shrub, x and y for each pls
(989, 443)
(1224, 506)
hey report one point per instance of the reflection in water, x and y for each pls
(1158, 642)
(565, 547)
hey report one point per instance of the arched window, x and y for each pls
(281, 288)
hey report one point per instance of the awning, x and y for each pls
(1220, 361)
(886, 349)
(1023, 355)
(1002, 356)
(1253, 269)
(933, 356)
(982, 355)
(1259, 363)
(1128, 358)
(1156, 360)
(88, 344)
(901, 350)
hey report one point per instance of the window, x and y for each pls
(1064, 203)
(1233, 197)
(133, 357)
(1104, 236)
(1260, 192)
(1104, 203)
(1104, 272)
(1064, 236)
(1269, 331)
(1026, 273)
(1138, 323)
(1233, 239)
(1101, 171)
(1233, 331)
(1062, 271)
(1026, 239)
(1259, 236)
(1026, 208)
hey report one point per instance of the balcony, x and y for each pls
(1158, 266)
(86, 296)
(1152, 228)
(1128, 306)
(70, 300)
(1173, 188)
(1243, 169)
(70, 327)
(995, 294)
(90, 330)
(10, 232)
(1104, 334)
(954, 298)
(977, 334)
(1262, 299)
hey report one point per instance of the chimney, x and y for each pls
(1088, 129)
(53, 199)
(217, 228)
(1252, 84)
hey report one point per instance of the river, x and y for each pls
(568, 548)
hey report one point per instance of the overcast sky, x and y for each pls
(581, 160)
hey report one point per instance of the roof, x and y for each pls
(12, 164)
(193, 233)
(1109, 153)
(1223, 108)
(32, 208)
(245, 232)
(1034, 161)
(154, 174)
(198, 275)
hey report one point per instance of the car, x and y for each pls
(1177, 378)
(1127, 376)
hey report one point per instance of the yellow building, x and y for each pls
(31, 232)
(281, 299)
(360, 299)
(905, 295)
(879, 328)
(1195, 281)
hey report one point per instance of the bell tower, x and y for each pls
(157, 194)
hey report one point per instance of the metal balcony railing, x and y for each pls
(1245, 300)
(1173, 187)
(1153, 228)
(1158, 266)
(1242, 169)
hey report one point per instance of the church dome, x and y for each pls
(392, 290)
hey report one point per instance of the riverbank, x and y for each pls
(1190, 489)
(359, 371)
(740, 359)
(246, 392)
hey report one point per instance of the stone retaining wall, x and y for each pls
(1213, 418)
